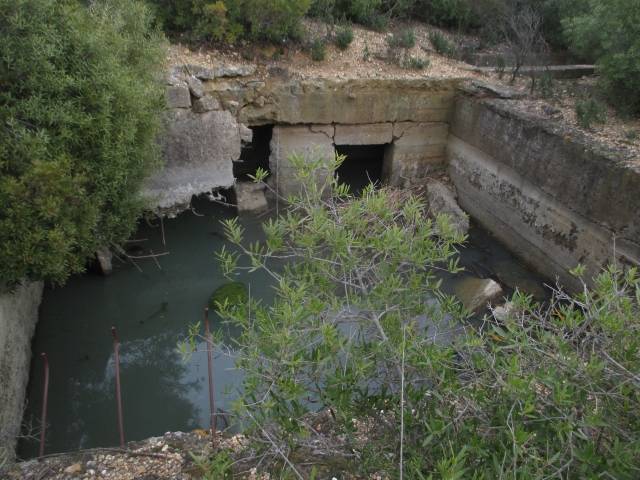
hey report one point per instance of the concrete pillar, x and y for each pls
(299, 139)
(417, 149)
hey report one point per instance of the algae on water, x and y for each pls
(234, 293)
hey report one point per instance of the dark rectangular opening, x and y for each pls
(362, 166)
(255, 154)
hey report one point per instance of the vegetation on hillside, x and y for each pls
(605, 32)
(362, 362)
(80, 99)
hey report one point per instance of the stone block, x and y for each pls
(442, 199)
(246, 134)
(364, 134)
(203, 73)
(206, 104)
(104, 256)
(250, 198)
(476, 293)
(178, 97)
(196, 86)
(236, 71)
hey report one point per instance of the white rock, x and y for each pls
(475, 293)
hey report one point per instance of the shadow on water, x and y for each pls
(151, 313)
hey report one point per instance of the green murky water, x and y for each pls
(151, 312)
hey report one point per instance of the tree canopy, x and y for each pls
(80, 98)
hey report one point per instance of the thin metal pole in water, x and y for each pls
(115, 349)
(44, 402)
(211, 404)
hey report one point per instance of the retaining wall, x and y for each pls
(18, 317)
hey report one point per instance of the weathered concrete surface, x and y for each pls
(417, 149)
(199, 150)
(299, 139)
(329, 100)
(442, 199)
(366, 134)
(554, 197)
(18, 317)
(476, 293)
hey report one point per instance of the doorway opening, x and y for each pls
(362, 166)
(254, 154)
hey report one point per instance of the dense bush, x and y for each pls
(404, 38)
(441, 44)
(318, 51)
(610, 32)
(79, 105)
(343, 37)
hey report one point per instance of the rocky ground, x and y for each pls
(369, 56)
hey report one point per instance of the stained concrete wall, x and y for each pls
(18, 317)
(554, 197)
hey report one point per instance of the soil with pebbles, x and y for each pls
(369, 56)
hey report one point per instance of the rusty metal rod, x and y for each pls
(115, 349)
(211, 404)
(44, 402)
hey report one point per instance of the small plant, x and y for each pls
(546, 85)
(366, 54)
(441, 44)
(217, 467)
(247, 55)
(402, 39)
(501, 64)
(276, 55)
(344, 37)
(632, 134)
(414, 62)
(318, 51)
(589, 112)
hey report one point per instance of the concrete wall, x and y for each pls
(554, 197)
(18, 317)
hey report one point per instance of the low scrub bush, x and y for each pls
(405, 38)
(441, 44)
(343, 37)
(318, 50)
(414, 63)
(590, 111)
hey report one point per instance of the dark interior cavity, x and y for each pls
(255, 154)
(362, 166)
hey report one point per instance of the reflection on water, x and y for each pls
(152, 312)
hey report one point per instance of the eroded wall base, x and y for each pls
(18, 317)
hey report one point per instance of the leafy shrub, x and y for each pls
(610, 32)
(544, 391)
(402, 39)
(589, 112)
(376, 21)
(276, 55)
(441, 44)
(546, 85)
(344, 37)
(632, 134)
(318, 51)
(501, 64)
(79, 104)
(414, 62)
